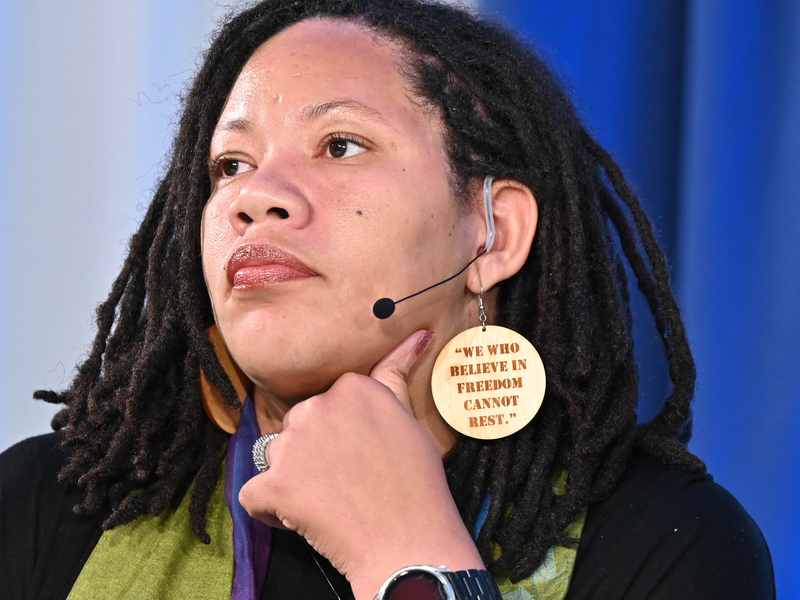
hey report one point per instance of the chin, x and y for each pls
(302, 361)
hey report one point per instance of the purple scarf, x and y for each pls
(251, 538)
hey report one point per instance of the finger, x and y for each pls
(251, 498)
(393, 368)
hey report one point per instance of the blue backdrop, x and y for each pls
(700, 103)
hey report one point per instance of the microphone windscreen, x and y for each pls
(383, 308)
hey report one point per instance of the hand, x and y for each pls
(356, 475)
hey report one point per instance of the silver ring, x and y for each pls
(260, 451)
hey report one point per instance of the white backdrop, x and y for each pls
(89, 91)
(87, 98)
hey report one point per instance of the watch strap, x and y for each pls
(473, 584)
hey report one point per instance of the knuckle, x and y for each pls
(349, 380)
(296, 415)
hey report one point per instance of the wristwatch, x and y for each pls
(421, 582)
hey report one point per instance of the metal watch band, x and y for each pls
(473, 584)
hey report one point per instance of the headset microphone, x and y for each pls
(384, 308)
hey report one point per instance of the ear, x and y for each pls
(516, 214)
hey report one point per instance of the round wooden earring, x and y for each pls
(221, 414)
(488, 382)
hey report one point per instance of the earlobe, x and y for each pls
(516, 215)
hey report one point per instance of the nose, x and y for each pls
(267, 197)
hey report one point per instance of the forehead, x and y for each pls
(318, 59)
(340, 44)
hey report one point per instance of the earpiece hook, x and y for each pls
(487, 207)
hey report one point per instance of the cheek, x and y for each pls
(215, 230)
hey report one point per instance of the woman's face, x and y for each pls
(330, 191)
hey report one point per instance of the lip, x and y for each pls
(259, 266)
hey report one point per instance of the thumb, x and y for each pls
(393, 368)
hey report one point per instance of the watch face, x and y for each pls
(416, 585)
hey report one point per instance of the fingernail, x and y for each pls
(423, 342)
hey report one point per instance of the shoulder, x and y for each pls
(29, 471)
(667, 533)
(41, 454)
(43, 544)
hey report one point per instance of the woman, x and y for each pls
(332, 153)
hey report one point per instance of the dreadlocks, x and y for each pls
(134, 420)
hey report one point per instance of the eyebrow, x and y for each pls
(315, 111)
(310, 112)
(242, 125)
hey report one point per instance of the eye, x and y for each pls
(229, 168)
(343, 146)
(223, 168)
